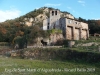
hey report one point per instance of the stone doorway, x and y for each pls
(44, 43)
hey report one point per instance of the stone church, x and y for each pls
(72, 29)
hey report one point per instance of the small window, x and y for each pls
(54, 26)
(52, 13)
(48, 27)
(75, 22)
(55, 12)
(48, 23)
(69, 21)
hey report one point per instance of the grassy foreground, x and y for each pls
(11, 66)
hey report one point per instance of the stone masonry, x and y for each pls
(72, 29)
(53, 21)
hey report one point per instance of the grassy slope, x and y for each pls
(9, 63)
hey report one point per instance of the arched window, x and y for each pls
(55, 12)
(48, 26)
(52, 13)
(54, 26)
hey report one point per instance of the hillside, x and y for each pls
(28, 26)
(38, 15)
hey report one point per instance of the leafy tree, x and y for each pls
(82, 20)
(93, 26)
(21, 41)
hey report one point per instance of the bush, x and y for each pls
(59, 42)
(63, 54)
(65, 43)
(8, 54)
(20, 42)
(54, 31)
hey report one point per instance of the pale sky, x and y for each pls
(87, 9)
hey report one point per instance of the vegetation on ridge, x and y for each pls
(10, 29)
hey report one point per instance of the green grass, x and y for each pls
(53, 31)
(12, 66)
(92, 48)
(40, 67)
(91, 39)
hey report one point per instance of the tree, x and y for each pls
(20, 41)
(93, 26)
(82, 20)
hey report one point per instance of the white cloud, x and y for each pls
(36, 8)
(81, 2)
(95, 18)
(69, 7)
(9, 14)
(49, 4)
(73, 10)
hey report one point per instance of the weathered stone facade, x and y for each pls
(72, 29)
(53, 21)
(53, 38)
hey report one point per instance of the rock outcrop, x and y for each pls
(51, 40)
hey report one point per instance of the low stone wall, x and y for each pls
(44, 46)
(57, 54)
(89, 44)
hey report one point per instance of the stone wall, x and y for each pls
(51, 40)
(55, 37)
(53, 21)
(57, 54)
(45, 24)
(74, 30)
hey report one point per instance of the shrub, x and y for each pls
(54, 31)
(65, 43)
(20, 41)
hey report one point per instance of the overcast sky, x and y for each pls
(87, 9)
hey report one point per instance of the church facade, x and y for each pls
(72, 29)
